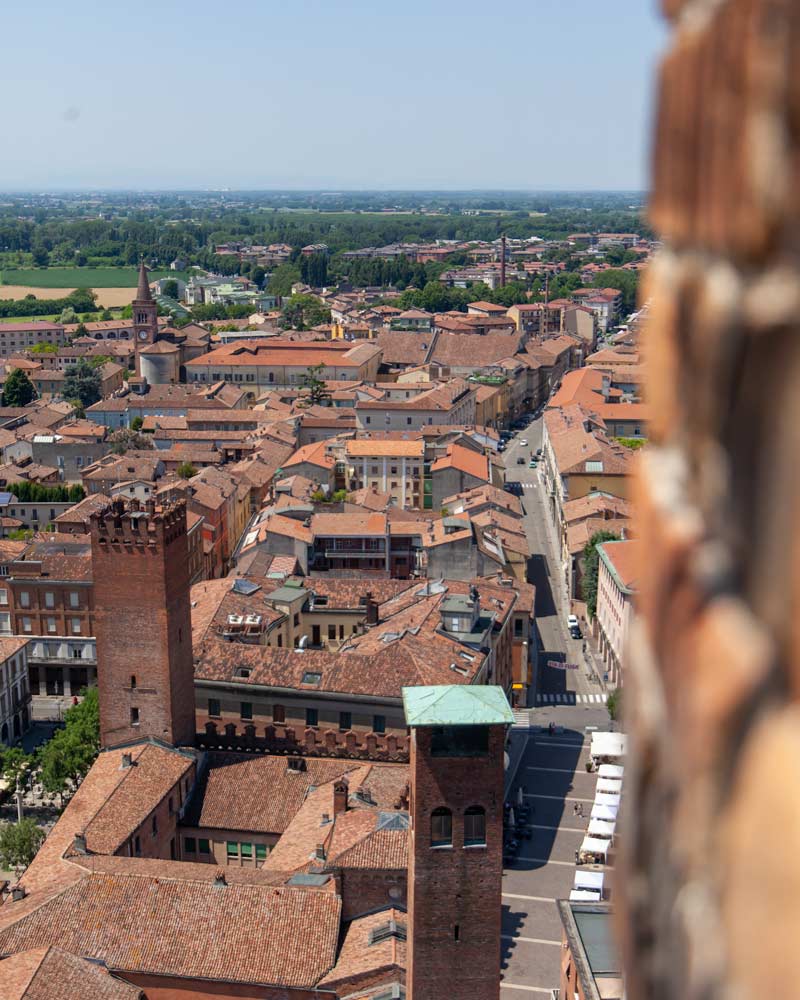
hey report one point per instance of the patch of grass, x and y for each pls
(81, 277)
(632, 443)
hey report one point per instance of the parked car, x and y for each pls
(533, 463)
(521, 460)
(538, 452)
(575, 632)
(572, 621)
(523, 441)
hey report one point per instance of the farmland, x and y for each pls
(108, 298)
(36, 279)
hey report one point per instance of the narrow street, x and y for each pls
(575, 687)
(552, 770)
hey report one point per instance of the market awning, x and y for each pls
(608, 813)
(593, 881)
(611, 785)
(602, 828)
(610, 771)
(605, 799)
(594, 845)
(608, 744)
(584, 896)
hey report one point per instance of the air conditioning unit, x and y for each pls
(235, 619)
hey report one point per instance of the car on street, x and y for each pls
(538, 452)
(523, 441)
(575, 632)
(572, 621)
(520, 460)
(533, 463)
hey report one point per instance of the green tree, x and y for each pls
(626, 281)
(304, 311)
(186, 470)
(591, 565)
(317, 390)
(72, 750)
(82, 383)
(257, 275)
(282, 279)
(14, 763)
(68, 315)
(137, 423)
(18, 389)
(106, 314)
(126, 439)
(45, 347)
(170, 288)
(19, 843)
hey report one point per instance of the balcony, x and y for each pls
(62, 652)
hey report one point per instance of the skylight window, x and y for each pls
(309, 677)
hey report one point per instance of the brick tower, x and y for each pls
(456, 850)
(145, 315)
(144, 631)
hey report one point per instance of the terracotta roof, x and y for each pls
(465, 460)
(366, 447)
(361, 963)
(53, 974)
(474, 350)
(279, 353)
(145, 784)
(623, 558)
(259, 794)
(313, 454)
(11, 645)
(347, 524)
(190, 929)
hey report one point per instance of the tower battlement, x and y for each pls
(132, 523)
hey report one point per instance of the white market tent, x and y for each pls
(584, 896)
(589, 881)
(610, 771)
(610, 785)
(605, 799)
(608, 745)
(607, 813)
(601, 828)
(595, 845)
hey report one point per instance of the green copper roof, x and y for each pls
(456, 705)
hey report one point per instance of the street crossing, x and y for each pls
(570, 698)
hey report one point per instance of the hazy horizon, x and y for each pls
(313, 96)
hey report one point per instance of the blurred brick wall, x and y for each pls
(710, 877)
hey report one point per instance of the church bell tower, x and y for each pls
(145, 315)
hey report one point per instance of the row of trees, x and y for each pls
(81, 386)
(59, 764)
(81, 300)
(29, 492)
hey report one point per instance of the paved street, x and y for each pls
(556, 687)
(555, 781)
(552, 768)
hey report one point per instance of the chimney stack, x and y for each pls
(372, 609)
(341, 793)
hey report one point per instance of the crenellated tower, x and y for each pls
(145, 670)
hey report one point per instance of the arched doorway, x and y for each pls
(4, 733)
(17, 727)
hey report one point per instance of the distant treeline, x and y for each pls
(82, 300)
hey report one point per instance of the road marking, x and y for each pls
(527, 940)
(559, 798)
(546, 861)
(532, 899)
(529, 989)
(557, 770)
(565, 829)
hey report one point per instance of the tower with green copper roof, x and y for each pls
(455, 870)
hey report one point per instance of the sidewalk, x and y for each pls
(515, 748)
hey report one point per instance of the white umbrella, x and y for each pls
(512, 820)
(520, 797)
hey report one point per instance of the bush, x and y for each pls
(614, 704)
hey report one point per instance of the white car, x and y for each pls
(523, 441)
(572, 621)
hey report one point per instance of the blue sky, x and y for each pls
(528, 94)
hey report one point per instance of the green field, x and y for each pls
(80, 277)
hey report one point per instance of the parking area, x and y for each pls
(556, 787)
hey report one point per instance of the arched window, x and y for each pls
(475, 827)
(441, 828)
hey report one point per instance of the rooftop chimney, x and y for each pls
(372, 609)
(79, 843)
(17, 893)
(341, 793)
(127, 761)
(219, 878)
(319, 853)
